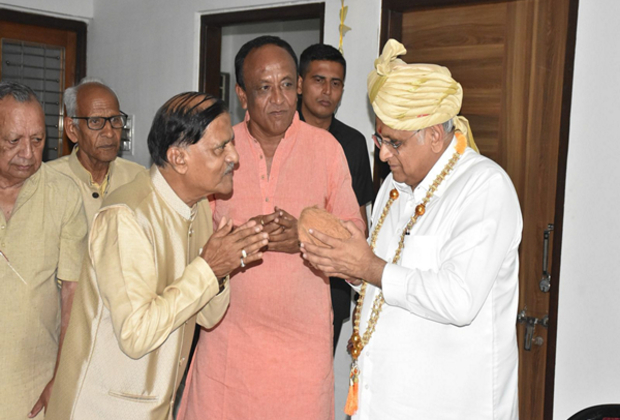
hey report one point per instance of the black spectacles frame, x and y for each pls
(89, 121)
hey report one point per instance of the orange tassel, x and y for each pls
(351, 406)
(461, 143)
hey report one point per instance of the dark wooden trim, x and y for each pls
(567, 91)
(211, 50)
(391, 24)
(303, 11)
(322, 22)
(404, 5)
(76, 26)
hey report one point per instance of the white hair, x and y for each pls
(448, 127)
(70, 96)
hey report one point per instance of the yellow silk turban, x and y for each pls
(414, 96)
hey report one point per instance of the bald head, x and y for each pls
(72, 98)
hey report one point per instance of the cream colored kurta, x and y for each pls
(43, 240)
(134, 312)
(121, 172)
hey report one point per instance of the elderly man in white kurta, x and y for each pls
(434, 332)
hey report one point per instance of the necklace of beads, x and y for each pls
(356, 342)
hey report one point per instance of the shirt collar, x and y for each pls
(170, 197)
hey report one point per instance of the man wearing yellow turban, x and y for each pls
(434, 332)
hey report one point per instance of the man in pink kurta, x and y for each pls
(271, 355)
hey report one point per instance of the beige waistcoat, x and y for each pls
(134, 311)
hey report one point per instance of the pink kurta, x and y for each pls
(271, 355)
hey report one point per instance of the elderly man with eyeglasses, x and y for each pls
(94, 122)
(434, 329)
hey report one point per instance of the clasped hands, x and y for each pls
(231, 247)
(282, 229)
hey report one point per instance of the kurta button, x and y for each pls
(261, 156)
(267, 199)
(95, 195)
(262, 177)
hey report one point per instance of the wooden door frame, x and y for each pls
(76, 26)
(211, 35)
(391, 27)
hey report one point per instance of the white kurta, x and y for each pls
(445, 343)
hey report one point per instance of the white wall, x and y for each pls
(298, 33)
(588, 344)
(81, 9)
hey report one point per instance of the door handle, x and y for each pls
(545, 281)
(530, 326)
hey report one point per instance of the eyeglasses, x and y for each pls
(380, 141)
(97, 123)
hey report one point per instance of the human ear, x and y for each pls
(300, 83)
(177, 158)
(243, 97)
(437, 138)
(71, 129)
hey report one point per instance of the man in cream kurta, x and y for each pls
(446, 233)
(93, 164)
(42, 239)
(146, 278)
